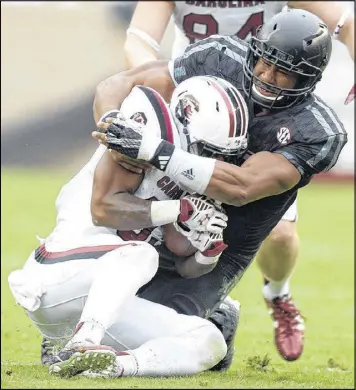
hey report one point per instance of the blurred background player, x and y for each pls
(195, 20)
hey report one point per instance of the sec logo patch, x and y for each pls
(283, 135)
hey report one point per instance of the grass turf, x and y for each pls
(322, 285)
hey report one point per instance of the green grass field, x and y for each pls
(322, 285)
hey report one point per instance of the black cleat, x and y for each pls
(226, 319)
(48, 351)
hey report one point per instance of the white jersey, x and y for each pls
(195, 20)
(74, 225)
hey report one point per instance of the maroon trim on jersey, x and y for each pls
(229, 107)
(162, 113)
(86, 252)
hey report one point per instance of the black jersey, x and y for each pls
(308, 134)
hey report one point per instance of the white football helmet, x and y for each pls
(211, 116)
(147, 106)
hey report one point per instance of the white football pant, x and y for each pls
(103, 290)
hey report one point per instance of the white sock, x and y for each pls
(129, 364)
(275, 289)
(89, 333)
(185, 354)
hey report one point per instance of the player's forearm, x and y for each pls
(238, 186)
(121, 211)
(223, 182)
(124, 211)
(110, 94)
(269, 174)
(137, 52)
(228, 184)
(191, 268)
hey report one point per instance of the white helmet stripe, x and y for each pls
(243, 111)
(163, 114)
(229, 106)
(239, 102)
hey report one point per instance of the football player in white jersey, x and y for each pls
(79, 285)
(195, 20)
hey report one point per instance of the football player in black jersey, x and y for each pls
(292, 136)
(194, 21)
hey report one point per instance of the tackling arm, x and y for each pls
(263, 174)
(147, 27)
(114, 205)
(111, 92)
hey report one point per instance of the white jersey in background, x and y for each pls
(195, 20)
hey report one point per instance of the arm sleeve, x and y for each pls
(316, 157)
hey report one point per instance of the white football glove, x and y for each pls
(209, 244)
(198, 213)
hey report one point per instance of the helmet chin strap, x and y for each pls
(259, 94)
(186, 138)
(184, 135)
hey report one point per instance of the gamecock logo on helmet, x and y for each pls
(184, 110)
(139, 117)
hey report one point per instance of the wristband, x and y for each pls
(164, 212)
(191, 171)
(152, 43)
(340, 24)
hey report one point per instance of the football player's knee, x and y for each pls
(150, 256)
(284, 234)
(141, 259)
(213, 346)
(144, 258)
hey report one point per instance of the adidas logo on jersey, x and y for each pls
(163, 161)
(189, 174)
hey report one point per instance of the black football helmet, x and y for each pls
(296, 41)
